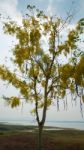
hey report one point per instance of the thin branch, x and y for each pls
(51, 86)
(40, 65)
(36, 102)
(45, 103)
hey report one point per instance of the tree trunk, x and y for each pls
(40, 137)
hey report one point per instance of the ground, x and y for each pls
(52, 139)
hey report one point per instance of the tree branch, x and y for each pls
(36, 102)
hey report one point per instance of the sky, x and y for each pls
(15, 9)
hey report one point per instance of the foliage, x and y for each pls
(43, 78)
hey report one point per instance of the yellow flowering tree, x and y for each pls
(43, 78)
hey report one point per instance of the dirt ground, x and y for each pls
(28, 141)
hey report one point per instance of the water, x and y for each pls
(62, 124)
(67, 124)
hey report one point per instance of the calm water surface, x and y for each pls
(63, 124)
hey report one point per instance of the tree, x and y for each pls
(41, 78)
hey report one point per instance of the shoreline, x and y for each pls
(77, 125)
(6, 127)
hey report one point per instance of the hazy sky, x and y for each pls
(15, 9)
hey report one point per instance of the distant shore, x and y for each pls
(10, 128)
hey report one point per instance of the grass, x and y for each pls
(8, 129)
(22, 138)
(67, 139)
